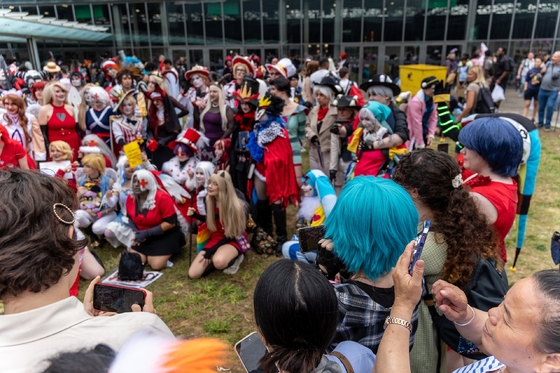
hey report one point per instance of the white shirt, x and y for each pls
(28, 338)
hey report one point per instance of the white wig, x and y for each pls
(380, 90)
(151, 187)
(94, 144)
(325, 91)
(121, 173)
(100, 94)
(208, 169)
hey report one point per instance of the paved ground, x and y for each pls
(515, 104)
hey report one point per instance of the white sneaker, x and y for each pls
(169, 264)
(232, 269)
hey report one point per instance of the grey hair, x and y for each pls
(326, 91)
(547, 283)
(380, 90)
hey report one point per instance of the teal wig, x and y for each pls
(371, 224)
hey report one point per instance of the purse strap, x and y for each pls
(344, 361)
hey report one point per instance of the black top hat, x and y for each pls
(248, 92)
(382, 80)
(346, 101)
(332, 82)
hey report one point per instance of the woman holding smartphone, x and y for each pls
(459, 236)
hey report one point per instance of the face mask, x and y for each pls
(197, 81)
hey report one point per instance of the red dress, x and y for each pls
(504, 198)
(11, 154)
(62, 127)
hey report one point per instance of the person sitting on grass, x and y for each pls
(38, 265)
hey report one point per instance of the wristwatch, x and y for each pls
(398, 321)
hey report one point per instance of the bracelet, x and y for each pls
(397, 321)
(468, 322)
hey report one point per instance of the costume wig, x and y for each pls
(151, 187)
(208, 169)
(497, 142)
(63, 147)
(99, 94)
(371, 224)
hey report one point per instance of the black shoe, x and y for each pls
(281, 231)
(264, 216)
(280, 240)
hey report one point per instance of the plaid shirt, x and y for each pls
(361, 319)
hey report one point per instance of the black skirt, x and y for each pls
(168, 243)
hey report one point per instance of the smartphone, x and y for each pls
(250, 351)
(119, 299)
(443, 147)
(419, 245)
(309, 238)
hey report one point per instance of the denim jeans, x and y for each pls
(546, 102)
(522, 83)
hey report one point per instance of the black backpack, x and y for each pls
(130, 267)
(486, 290)
(484, 103)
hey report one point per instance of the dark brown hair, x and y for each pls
(35, 247)
(456, 218)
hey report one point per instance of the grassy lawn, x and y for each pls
(220, 305)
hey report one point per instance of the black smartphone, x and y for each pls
(419, 245)
(443, 147)
(250, 351)
(119, 299)
(309, 238)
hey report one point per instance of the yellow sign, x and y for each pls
(133, 153)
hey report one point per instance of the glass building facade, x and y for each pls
(377, 35)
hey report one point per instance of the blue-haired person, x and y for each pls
(370, 225)
(493, 151)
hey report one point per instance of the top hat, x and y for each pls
(190, 138)
(285, 67)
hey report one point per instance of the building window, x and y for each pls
(175, 22)
(546, 20)
(213, 23)
(65, 12)
(271, 28)
(252, 21)
(232, 21)
(414, 29)
(524, 18)
(195, 28)
(313, 19)
(329, 18)
(373, 18)
(154, 22)
(482, 20)
(437, 15)
(294, 16)
(457, 24)
(502, 13)
(352, 21)
(83, 13)
(139, 21)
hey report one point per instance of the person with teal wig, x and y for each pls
(368, 229)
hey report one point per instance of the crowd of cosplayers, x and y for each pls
(158, 154)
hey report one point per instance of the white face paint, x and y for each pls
(77, 82)
(307, 190)
(197, 81)
(368, 121)
(127, 108)
(199, 177)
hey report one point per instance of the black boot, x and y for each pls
(281, 232)
(264, 216)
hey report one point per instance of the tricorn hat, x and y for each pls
(332, 82)
(381, 80)
(342, 101)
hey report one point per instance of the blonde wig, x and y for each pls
(95, 161)
(221, 106)
(231, 209)
(84, 107)
(63, 147)
(160, 81)
(48, 92)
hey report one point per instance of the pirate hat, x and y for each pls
(118, 94)
(331, 82)
(197, 69)
(245, 62)
(381, 80)
(342, 101)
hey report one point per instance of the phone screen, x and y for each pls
(116, 299)
(309, 238)
(419, 245)
(250, 351)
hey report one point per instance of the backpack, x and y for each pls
(484, 103)
(130, 267)
(486, 290)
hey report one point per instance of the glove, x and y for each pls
(369, 144)
(314, 140)
(142, 235)
(332, 175)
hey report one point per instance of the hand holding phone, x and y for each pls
(419, 245)
(250, 351)
(309, 238)
(119, 299)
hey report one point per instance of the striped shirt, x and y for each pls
(490, 364)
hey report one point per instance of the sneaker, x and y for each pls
(169, 264)
(547, 129)
(232, 269)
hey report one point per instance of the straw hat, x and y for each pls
(51, 67)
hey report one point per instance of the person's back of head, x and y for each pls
(36, 249)
(498, 143)
(151, 67)
(323, 63)
(371, 224)
(297, 319)
(488, 53)
(343, 73)
(311, 67)
(95, 360)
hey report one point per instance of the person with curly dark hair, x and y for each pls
(38, 265)
(459, 236)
